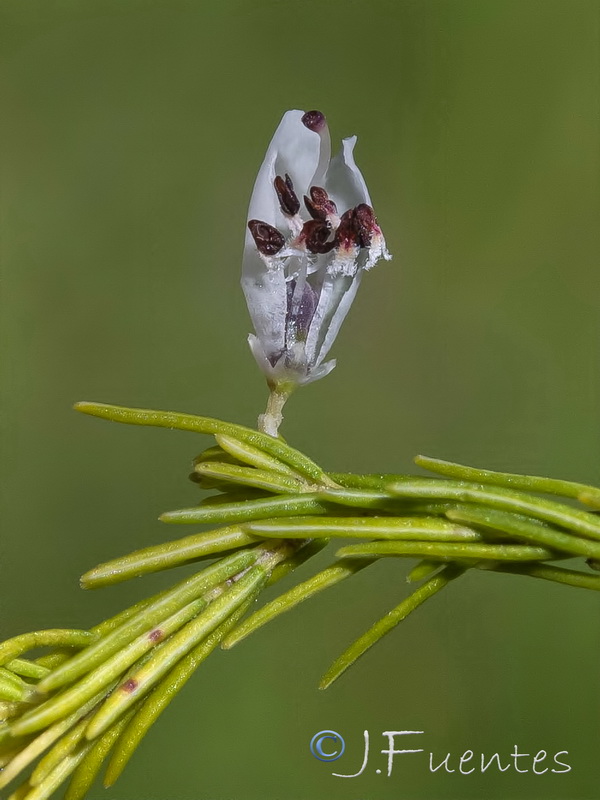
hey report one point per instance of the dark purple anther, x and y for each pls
(286, 195)
(346, 236)
(315, 234)
(268, 240)
(365, 224)
(319, 206)
(314, 121)
(316, 213)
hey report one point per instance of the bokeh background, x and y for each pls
(133, 131)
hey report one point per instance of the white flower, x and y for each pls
(311, 234)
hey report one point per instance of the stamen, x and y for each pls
(346, 236)
(314, 121)
(286, 195)
(315, 234)
(268, 240)
(319, 206)
(365, 224)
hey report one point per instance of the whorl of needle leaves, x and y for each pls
(95, 694)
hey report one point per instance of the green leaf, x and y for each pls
(54, 637)
(163, 694)
(511, 480)
(106, 672)
(306, 551)
(549, 572)
(582, 522)
(328, 577)
(283, 506)
(187, 422)
(140, 680)
(405, 528)
(167, 555)
(266, 480)
(168, 603)
(388, 622)
(447, 551)
(43, 741)
(253, 455)
(522, 527)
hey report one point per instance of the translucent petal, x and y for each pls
(337, 295)
(266, 296)
(294, 150)
(344, 181)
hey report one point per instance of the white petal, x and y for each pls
(339, 315)
(318, 372)
(337, 295)
(294, 149)
(266, 297)
(344, 181)
(259, 355)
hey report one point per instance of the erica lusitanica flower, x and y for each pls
(312, 232)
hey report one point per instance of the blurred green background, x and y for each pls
(132, 135)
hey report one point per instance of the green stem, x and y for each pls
(107, 672)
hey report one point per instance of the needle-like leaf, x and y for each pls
(139, 681)
(581, 522)
(447, 551)
(267, 480)
(167, 555)
(405, 528)
(328, 577)
(388, 622)
(170, 602)
(282, 506)
(533, 483)
(525, 528)
(164, 693)
(271, 445)
(55, 637)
